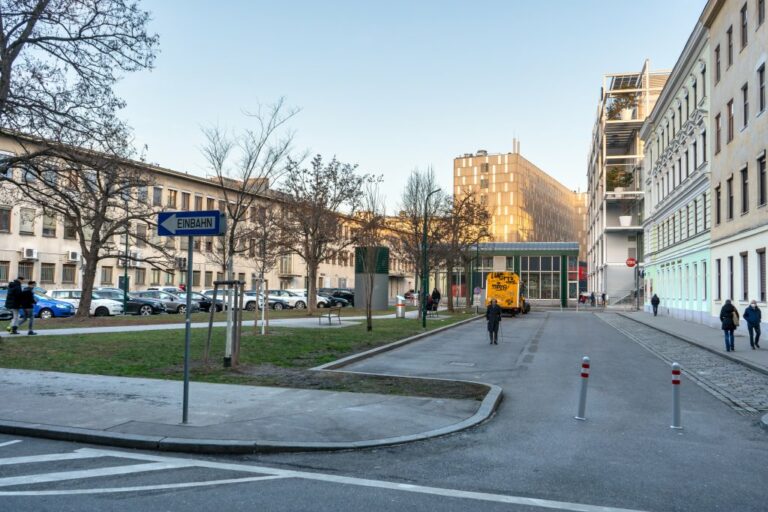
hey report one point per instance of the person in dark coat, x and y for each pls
(27, 304)
(12, 299)
(728, 319)
(592, 299)
(655, 304)
(493, 317)
(753, 316)
(435, 299)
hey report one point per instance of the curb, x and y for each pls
(752, 366)
(487, 408)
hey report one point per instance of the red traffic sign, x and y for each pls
(631, 262)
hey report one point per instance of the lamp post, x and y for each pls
(425, 271)
(125, 262)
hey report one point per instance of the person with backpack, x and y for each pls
(12, 299)
(729, 321)
(27, 303)
(655, 304)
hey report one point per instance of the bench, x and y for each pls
(329, 314)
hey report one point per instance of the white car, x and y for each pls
(321, 301)
(99, 307)
(293, 299)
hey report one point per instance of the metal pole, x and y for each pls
(584, 380)
(425, 270)
(676, 424)
(125, 271)
(187, 333)
(229, 334)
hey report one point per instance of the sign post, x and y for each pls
(190, 224)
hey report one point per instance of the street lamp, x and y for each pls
(425, 271)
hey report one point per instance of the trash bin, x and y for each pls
(400, 307)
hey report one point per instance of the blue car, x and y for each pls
(46, 307)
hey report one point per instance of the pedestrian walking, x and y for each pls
(603, 298)
(655, 304)
(435, 298)
(729, 320)
(493, 317)
(27, 304)
(592, 299)
(753, 317)
(12, 302)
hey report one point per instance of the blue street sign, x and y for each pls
(205, 223)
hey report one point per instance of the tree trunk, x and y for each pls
(449, 281)
(312, 287)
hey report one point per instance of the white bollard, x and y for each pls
(676, 397)
(583, 397)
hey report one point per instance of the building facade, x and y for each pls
(675, 138)
(738, 47)
(42, 248)
(525, 203)
(615, 181)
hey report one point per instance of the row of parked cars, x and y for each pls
(153, 301)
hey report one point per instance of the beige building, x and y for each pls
(615, 181)
(738, 42)
(42, 248)
(525, 203)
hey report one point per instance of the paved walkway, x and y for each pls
(709, 338)
(147, 413)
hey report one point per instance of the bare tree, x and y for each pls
(465, 223)
(409, 223)
(59, 60)
(243, 167)
(370, 235)
(315, 200)
(265, 248)
(100, 198)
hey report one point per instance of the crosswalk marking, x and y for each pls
(89, 473)
(50, 457)
(8, 443)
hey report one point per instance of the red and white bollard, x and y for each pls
(584, 380)
(676, 397)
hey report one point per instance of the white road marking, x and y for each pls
(284, 473)
(8, 443)
(50, 457)
(88, 473)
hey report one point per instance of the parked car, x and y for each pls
(333, 301)
(293, 300)
(203, 301)
(134, 305)
(5, 314)
(170, 289)
(342, 293)
(321, 301)
(46, 307)
(250, 301)
(173, 303)
(99, 306)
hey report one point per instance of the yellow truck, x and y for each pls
(509, 292)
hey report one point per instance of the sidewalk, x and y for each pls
(708, 338)
(147, 413)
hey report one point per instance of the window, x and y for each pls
(68, 273)
(5, 267)
(687, 165)
(703, 149)
(195, 278)
(679, 171)
(760, 12)
(170, 242)
(718, 283)
(729, 33)
(198, 203)
(718, 199)
(185, 201)
(208, 279)
(106, 275)
(729, 197)
(141, 194)
(761, 184)
(210, 204)
(171, 199)
(157, 196)
(241, 277)
(47, 272)
(169, 278)
(27, 221)
(141, 276)
(730, 121)
(5, 223)
(718, 133)
(155, 276)
(744, 277)
(730, 277)
(26, 269)
(704, 274)
(49, 227)
(761, 88)
(687, 106)
(717, 64)
(695, 216)
(744, 190)
(745, 104)
(703, 81)
(760, 271)
(141, 235)
(744, 25)
(70, 232)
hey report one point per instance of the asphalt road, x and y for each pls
(624, 456)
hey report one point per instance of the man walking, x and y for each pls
(435, 299)
(493, 317)
(12, 302)
(655, 304)
(27, 304)
(753, 316)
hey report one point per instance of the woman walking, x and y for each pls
(729, 320)
(493, 316)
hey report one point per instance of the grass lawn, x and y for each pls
(281, 358)
(127, 320)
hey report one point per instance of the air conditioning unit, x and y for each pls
(73, 256)
(28, 253)
(181, 263)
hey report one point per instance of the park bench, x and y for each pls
(329, 314)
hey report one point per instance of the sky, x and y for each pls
(397, 85)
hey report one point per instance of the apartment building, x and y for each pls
(615, 181)
(43, 248)
(676, 171)
(525, 203)
(738, 47)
